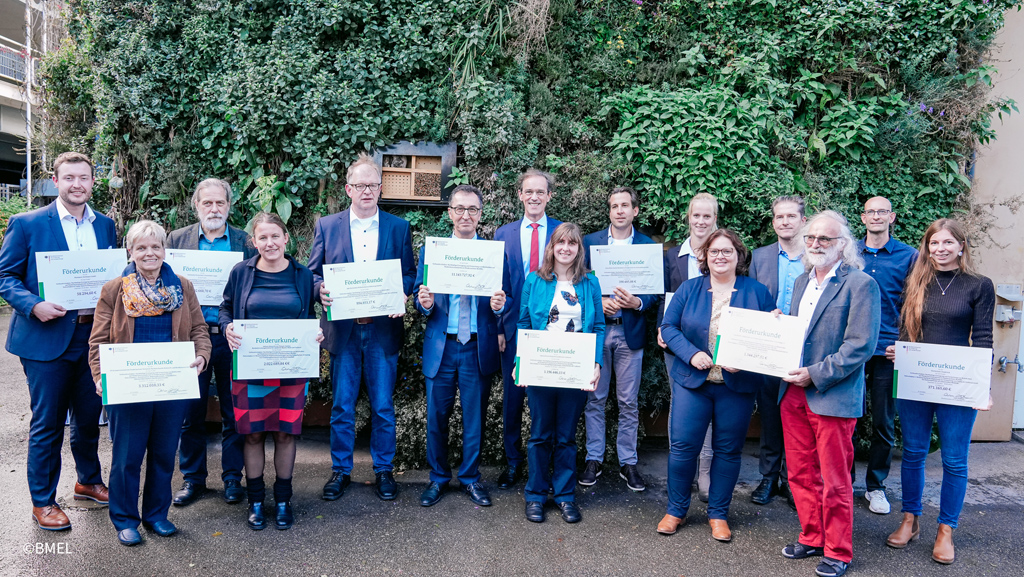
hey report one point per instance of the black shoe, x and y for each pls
(387, 488)
(257, 520)
(284, 519)
(765, 492)
(798, 550)
(477, 494)
(433, 493)
(633, 479)
(784, 491)
(511, 475)
(234, 492)
(535, 511)
(335, 487)
(830, 567)
(189, 493)
(570, 512)
(590, 473)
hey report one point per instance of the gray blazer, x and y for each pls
(187, 238)
(764, 268)
(840, 339)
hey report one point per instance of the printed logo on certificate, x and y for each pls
(942, 374)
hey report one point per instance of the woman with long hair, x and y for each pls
(945, 302)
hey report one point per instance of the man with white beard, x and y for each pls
(820, 402)
(212, 203)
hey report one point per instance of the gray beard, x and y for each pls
(816, 260)
(213, 223)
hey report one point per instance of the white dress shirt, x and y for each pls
(692, 268)
(813, 291)
(80, 235)
(365, 234)
(526, 237)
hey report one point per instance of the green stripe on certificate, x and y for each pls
(103, 383)
(426, 269)
(895, 380)
(714, 358)
(42, 293)
(516, 378)
(234, 363)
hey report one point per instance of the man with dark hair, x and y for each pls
(53, 342)
(525, 240)
(624, 339)
(212, 203)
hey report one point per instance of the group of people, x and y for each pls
(857, 298)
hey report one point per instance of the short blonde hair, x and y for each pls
(363, 160)
(141, 230)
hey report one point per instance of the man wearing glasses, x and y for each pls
(888, 261)
(821, 401)
(363, 350)
(525, 240)
(460, 354)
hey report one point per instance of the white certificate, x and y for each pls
(942, 374)
(759, 342)
(277, 349)
(638, 268)
(555, 359)
(463, 267)
(73, 279)
(207, 269)
(140, 372)
(668, 301)
(364, 289)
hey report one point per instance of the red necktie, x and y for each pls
(535, 248)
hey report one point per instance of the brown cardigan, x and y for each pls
(113, 325)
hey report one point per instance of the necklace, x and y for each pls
(943, 290)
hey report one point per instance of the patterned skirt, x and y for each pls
(263, 405)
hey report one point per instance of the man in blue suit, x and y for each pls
(363, 349)
(53, 342)
(624, 338)
(460, 354)
(525, 240)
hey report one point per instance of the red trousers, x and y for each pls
(819, 455)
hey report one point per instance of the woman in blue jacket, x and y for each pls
(560, 296)
(703, 392)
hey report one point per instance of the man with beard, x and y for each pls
(821, 401)
(212, 203)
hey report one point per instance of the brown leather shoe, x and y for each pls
(720, 530)
(51, 518)
(943, 551)
(669, 524)
(908, 530)
(97, 492)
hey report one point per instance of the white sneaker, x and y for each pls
(877, 503)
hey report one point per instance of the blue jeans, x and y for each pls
(459, 372)
(691, 412)
(955, 426)
(363, 360)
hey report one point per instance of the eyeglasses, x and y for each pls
(882, 212)
(534, 193)
(460, 210)
(360, 188)
(822, 240)
(726, 252)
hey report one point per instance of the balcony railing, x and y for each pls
(9, 190)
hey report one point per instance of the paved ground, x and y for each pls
(359, 535)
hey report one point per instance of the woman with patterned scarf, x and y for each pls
(148, 304)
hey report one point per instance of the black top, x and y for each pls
(961, 317)
(239, 290)
(274, 295)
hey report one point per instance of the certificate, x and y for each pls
(759, 342)
(555, 359)
(73, 279)
(364, 289)
(277, 349)
(638, 268)
(942, 374)
(140, 372)
(463, 267)
(207, 269)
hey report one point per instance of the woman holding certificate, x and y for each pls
(947, 303)
(148, 304)
(560, 296)
(703, 392)
(271, 285)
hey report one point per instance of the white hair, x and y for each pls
(850, 254)
(143, 229)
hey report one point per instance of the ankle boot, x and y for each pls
(943, 551)
(908, 530)
(703, 479)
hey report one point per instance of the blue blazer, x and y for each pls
(634, 322)
(488, 356)
(239, 287)
(514, 257)
(536, 304)
(332, 244)
(687, 321)
(28, 233)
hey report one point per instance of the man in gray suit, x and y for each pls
(821, 401)
(777, 266)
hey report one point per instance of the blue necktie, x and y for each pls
(465, 308)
